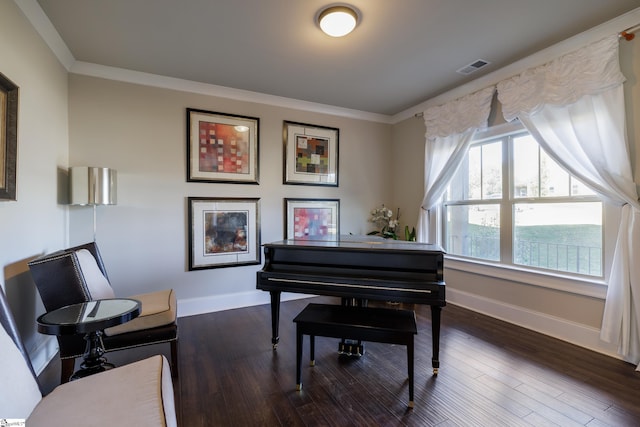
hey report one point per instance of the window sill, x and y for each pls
(595, 288)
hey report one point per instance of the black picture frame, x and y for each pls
(311, 154)
(312, 219)
(223, 232)
(222, 147)
(8, 138)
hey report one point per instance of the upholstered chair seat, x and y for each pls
(158, 309)
(76, 275)
(138, 393)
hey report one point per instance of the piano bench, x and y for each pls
(383, 325)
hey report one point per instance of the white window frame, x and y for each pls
(557, 280)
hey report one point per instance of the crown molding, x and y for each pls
(36, 16)
(155, 80)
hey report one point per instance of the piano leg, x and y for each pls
(275, 318)
(435, 335)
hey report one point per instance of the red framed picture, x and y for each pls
(222, 147)
(312, 219)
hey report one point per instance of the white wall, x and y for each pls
(141, 132)
(35, 223)
(408, 170)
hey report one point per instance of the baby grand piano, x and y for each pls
(356, 267)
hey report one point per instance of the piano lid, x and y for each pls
(359, 242)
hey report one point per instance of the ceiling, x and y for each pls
(402, 53)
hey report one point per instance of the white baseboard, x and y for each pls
(44, 352)
(565, 330)
(194, 306)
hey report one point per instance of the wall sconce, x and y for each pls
(338, 21)
(92, 186)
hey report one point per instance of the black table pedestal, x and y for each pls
(94, 361)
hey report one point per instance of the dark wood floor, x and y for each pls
(491, 374)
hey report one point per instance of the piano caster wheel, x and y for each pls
(411, 404)
(298, 387)
(312, 363)
(435, 371)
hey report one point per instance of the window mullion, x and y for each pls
(481, 173)
(506, 206)
(539, 172)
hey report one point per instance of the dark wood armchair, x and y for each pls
(77, 275)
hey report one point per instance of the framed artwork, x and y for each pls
(312, 219)
(222, 147)
(223, 232)
(8, 138)
(310, 154)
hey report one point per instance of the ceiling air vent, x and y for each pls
(473, 67)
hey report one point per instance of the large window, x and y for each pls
(510, 203)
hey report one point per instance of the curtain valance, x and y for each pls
(586, 71)
(458, 116)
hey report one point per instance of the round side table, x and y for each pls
(89, 318)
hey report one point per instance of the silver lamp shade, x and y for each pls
(93, 186)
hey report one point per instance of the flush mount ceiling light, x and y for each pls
(337, 21)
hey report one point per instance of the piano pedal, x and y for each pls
(351, 349)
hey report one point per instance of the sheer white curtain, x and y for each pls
(450, 129)
(574, 106)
